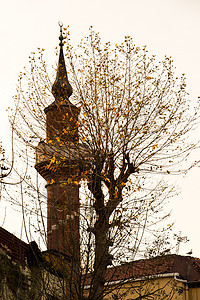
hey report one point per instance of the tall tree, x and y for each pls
(135, 123)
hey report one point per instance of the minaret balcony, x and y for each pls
(56, 160)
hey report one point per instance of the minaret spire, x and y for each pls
(61, 88)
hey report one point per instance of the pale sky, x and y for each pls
(167, 27)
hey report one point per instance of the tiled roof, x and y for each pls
(12, 246)
(187, 267)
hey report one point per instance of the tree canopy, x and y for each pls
(135, 124)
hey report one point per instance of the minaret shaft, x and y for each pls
(62, 124)
(63, 218)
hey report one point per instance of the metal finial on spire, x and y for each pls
(61, 38)
(61, 88)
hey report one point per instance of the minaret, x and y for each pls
(57, 161)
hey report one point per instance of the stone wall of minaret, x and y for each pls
(57, 162)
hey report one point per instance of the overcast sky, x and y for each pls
(167, 27)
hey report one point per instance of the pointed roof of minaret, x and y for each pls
(61, 88)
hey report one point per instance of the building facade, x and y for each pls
(28, 273)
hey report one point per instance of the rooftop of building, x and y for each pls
(187, 267)
(12, 246)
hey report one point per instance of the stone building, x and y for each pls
(27, 273)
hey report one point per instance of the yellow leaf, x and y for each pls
(53, 159)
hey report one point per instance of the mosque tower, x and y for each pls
(58, 162)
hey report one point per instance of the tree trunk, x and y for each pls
(102, 260)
